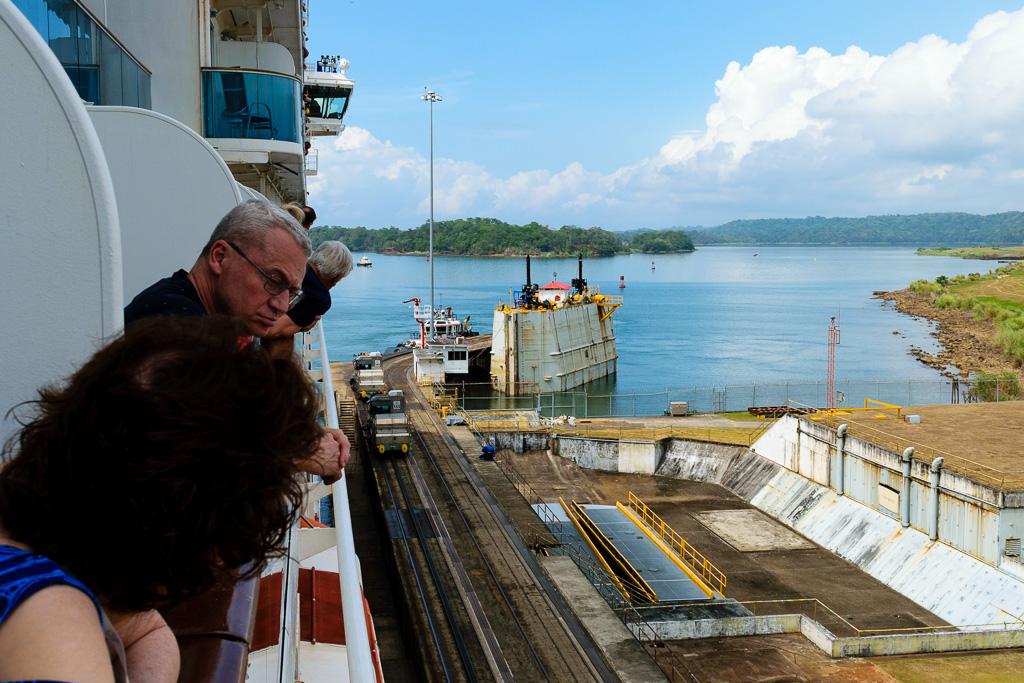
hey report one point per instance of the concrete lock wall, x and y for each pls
(738, 469)
(915, 643)
(944, 577)
(612, 455)
(683, 629)
(969, 516)
(519, 442)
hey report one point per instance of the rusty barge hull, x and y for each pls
(545, 350)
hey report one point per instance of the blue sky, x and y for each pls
(668, 114)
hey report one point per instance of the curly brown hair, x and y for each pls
(166, 463)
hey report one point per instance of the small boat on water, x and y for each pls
(365, 261)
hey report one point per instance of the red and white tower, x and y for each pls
(833, 342)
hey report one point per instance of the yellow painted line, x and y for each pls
(594, 550)
(671, 554)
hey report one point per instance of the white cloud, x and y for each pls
(934, 126)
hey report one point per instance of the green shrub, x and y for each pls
(1011, 339)
(925, 287)
(989, 387)
(947, 301)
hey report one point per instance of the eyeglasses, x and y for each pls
(273, 284)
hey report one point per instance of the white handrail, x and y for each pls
(357, 639)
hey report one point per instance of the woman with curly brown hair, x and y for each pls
(165, 464)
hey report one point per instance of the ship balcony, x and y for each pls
(329, 93)
(312, 162)
(250, 105)
(253, 119)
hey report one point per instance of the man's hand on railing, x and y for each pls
(331, 458)
(310, 326)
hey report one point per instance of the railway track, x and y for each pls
(470, 581)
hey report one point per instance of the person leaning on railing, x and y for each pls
(165, 464)
(331, 262)
(251, 267)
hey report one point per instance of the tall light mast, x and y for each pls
(830, 385)
(431, 97)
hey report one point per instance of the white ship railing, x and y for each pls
(357, 640)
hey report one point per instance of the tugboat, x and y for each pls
(365, 261)
(447, 327)
(553, 338)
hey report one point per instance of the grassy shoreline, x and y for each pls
(995, 299)
(986, 253)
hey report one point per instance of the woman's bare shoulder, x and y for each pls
(55, 634)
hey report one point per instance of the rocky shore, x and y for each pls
(967, 344)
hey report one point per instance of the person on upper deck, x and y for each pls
(331, 262)
(310, 217)
(114, 496)
(295, 211)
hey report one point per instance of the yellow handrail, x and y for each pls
(708, 572)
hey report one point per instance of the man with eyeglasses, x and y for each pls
(252, 268)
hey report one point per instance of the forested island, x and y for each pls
(493, 237)
(490, 236)
(929, 229)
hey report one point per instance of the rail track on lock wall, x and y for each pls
(478, 600)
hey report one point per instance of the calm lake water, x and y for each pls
(718, 316)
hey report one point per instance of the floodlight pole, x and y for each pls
(431, 97)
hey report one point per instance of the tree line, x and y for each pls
(490, 236)
(929, 229)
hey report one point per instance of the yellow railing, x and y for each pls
(444, 400)
(626, 577)
(708, 572)
(884, 405)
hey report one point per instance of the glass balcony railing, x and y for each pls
(101, 69)
(251, 105)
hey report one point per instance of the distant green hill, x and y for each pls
(490, 236)
(926, 229)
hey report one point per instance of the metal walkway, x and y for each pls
(666, 579)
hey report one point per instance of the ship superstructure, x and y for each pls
(553, 338)
(134, 127)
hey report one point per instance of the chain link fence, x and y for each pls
(740, 397)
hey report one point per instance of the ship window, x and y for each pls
(95, 63)
(241, 104)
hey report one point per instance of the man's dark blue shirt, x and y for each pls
(316, 300)
(174, 295)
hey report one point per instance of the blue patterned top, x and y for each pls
(23, 573)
